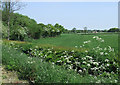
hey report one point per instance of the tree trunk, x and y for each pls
(8, 27)
(9, 20)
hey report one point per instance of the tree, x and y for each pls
(85, 30)
(74, 30)
(3, 30)
(114, 30)
(59, 28)
(8, 7)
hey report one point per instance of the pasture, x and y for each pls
(72, 40)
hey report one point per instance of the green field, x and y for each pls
(42, 58)
(48, 52)
(72, 40)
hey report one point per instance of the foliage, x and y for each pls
(85, 29)
(8, 8)
(22, 26)
(3, 30)
(89, 61)
(36, 70)
(73, 30)
(114, 30)
(99, 62)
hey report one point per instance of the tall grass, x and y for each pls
(38, 71)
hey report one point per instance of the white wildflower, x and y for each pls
(76, 46)
(80, 71)
(100, 48)
(68, 61)
(98, 81)
(108, 64)
(101, 53)
(95, 63)
(77, 58)
(112, 72)
(88, 65)
(80, 46)
(77, 63)
(91, 68)
(59, 61)
(102, 40)
(95, 77)
(105, 48)
(85, 42)
(94, 37)
(84, 69)
(90, 57)
(106, 60)
(65, 56)
(72, 51)
(53, 63)
(84, 62)
(106, 53)
(87, 56)
(70, 67)
(28, 61)
(84, 58)
(113, 62)
(86, 51)
(116, 81)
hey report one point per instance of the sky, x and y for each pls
(93, 15)
(70, 0)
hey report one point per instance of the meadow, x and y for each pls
(75, 58)
(49, 53)
(73, 40)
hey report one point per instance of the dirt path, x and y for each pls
(10, 77)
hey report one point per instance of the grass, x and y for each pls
(72, 40)
(69, 41)
(10, 77)
(43, 72)
(38, 71)
(46, 72)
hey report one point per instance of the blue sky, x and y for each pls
(93, 15)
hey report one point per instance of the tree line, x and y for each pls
(19, 27)
(74, 30)
(22, 27)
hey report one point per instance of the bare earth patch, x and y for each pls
(10, 77)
